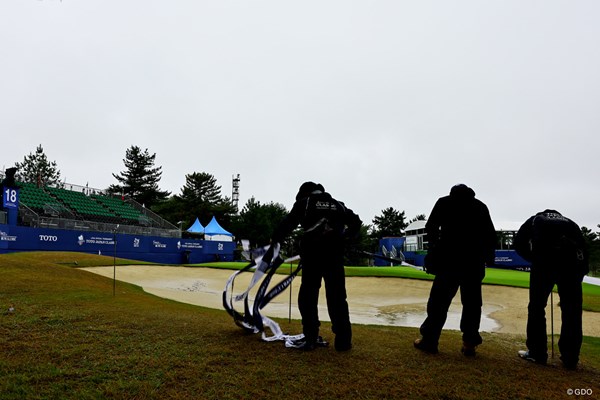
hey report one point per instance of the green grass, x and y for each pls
(70, 338)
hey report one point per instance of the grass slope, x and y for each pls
(69, 338)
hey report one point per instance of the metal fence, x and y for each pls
(42, 221)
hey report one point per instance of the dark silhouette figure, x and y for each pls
(462, 241)
(556, 249)
(9, 179)
(326, 223)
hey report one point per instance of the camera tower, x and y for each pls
(235, 195)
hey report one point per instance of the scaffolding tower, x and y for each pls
(235, 195)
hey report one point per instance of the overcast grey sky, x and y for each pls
(386, 103)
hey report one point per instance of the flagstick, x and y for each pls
(115, 259)
(114, 263)
(290, 302)
(552, 318)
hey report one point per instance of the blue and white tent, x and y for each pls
(196, 227)
(214, 231)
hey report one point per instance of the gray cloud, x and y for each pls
(387, 103)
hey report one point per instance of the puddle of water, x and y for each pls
(413, 317)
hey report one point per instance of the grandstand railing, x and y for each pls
(32, 219)
(151, 219)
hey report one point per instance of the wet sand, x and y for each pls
(376, 301)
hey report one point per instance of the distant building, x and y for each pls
(416, 244)
(416, 238)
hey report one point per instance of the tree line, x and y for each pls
(201, 198)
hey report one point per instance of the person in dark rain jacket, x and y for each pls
(462, 241)
(555, 246)
(326, 224)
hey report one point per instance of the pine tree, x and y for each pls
(36, 168)
(140, 178)
(201, 197)
(390, 223)
(419, 217)
(201, 188)
(256, 222)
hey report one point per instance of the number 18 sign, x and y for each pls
(10, 198)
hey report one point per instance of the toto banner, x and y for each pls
(136, 247)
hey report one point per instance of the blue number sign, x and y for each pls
(10, 198)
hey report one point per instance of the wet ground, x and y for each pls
(377, 301)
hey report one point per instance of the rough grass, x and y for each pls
(70, 338)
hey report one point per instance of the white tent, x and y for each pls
(214, 231)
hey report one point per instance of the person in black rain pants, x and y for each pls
(326, 222)
(462, 241)
(555, 246)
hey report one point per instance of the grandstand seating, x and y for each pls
(34, 197)
(54, 201)
(83, 205)
(120, 208)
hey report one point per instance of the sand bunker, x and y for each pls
(377, 301)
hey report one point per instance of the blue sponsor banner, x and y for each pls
(504, 259)
(145, 248)
(510, 259)
(7, 238)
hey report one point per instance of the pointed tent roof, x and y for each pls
(213, 228)
(196, 227)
